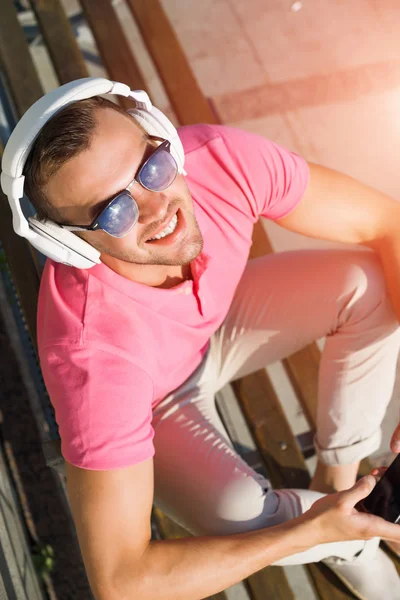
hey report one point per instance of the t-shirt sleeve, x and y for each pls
(273, 179)
(103, 406)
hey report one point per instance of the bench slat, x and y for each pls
(184, 93)
(272, 432)
(113, 46)
(16, 61)
(60, 40)
(302, 369)
(21, 265)
(269, 583)
(25, 88)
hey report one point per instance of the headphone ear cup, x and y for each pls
(62, 245)
(156, 123)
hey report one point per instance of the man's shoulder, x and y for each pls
(194, 137)
(227, 142)
(62, 280)
(62, 303)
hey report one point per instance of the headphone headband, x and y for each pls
(29, 126)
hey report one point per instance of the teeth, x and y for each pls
(168, 230)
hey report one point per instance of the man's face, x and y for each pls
(81, 188)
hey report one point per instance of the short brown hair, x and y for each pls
(63, 137)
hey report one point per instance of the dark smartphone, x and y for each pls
(384, 500)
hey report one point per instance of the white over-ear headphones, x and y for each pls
(48, 237)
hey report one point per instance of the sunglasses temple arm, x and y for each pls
(75, 227)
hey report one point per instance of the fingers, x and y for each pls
(378, 472)
(384, 529)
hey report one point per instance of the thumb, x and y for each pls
(360, 490)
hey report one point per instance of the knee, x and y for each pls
(365, 277)
(247, 505)
(365, 296)
(237, 507)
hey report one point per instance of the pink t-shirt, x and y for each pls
(111, 349)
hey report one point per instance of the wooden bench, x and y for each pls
(278, 450)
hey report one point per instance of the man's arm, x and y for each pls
(111, 510)
(338, 208)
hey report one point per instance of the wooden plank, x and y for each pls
(60, 40)
(18, 578)
(22, 267)
(302, 368)
(25, 88)
(16, 61)
(284, 460)
(113, 46)
(271, 430)
(184, 93)
(270, 582)
(172, 531)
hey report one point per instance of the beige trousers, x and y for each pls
(283, 302)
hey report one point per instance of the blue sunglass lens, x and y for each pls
(120, 216)
(159, 171)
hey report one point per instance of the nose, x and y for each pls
(153, 206)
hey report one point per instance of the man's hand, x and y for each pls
(335, 518)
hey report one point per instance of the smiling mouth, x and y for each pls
(172, 232)
(170, 228)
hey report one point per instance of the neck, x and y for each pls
(160, 276)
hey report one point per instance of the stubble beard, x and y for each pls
(190, 248)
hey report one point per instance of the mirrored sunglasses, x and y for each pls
(122, 213)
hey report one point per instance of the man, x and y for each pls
(137, 346)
